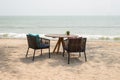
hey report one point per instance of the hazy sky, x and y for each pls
(59, 7)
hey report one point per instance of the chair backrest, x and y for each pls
(74, 44)
(32, 42)
(77, 44)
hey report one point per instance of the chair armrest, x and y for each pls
(45, 41)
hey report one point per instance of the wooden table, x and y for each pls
(60, 40)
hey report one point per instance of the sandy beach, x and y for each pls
(103, 62)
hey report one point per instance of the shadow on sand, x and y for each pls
(55, 60)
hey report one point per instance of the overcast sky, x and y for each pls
(59, 7)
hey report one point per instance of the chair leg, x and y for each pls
(27, 52)
(79, 54)
(41, 51)
(68, 57)
(33, 55)
(63, 52)
(49, 52)
(85, 56)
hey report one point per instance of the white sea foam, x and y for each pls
(90, 37)
(101, 37)
(12, 35)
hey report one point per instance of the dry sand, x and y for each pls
(103, 62)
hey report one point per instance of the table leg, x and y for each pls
(60, 41)
(57, 46)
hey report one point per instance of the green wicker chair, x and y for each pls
(75, 45)
(35, 42)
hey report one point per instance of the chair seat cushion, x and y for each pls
(66, 47)
(44, 46)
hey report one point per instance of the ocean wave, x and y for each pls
(102, 37)
(90, 37)
(12, 35)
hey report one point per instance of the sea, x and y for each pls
(92, 27)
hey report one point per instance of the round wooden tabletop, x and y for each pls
(61, 35)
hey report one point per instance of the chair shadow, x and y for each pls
(28, 59)
(58, 59)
